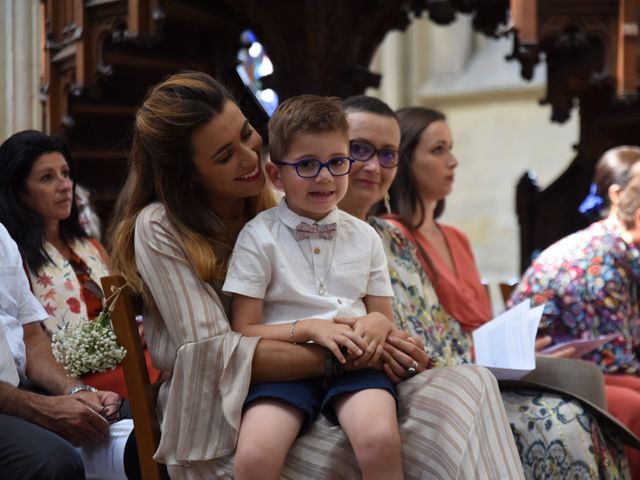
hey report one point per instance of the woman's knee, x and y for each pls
(477, 382)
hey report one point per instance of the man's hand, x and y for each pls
(105, 403)
(72, 417)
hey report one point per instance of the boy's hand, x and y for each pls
(373, 328)
(332, 336)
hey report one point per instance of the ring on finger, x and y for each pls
(413, 369)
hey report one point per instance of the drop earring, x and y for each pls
(387, 203)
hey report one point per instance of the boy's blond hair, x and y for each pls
(304, 114)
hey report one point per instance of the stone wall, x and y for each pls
(498, 126)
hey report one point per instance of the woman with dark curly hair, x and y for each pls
(63, 263)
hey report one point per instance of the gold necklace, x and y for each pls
(430, 229)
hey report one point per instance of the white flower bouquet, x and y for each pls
(87, 347)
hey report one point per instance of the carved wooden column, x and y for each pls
(19, 55)
(627, 48)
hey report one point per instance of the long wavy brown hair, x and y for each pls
(161, 169)
(404, 196)
(405, 199)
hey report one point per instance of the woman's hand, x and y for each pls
(544, 342)
(401, 355)
(333, 336)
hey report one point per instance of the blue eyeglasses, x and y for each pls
(364, 151)
(310, 167)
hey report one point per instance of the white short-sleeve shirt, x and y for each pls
(18, 306)
(269, 263)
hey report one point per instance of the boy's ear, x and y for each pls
(274, 175)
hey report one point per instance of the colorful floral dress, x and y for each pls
(588, 282)
(69, 290)
(556, 437)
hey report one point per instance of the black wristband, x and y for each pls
(332, 368)
(337, 367)
(328, 370)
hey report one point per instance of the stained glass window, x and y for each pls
(253, 65)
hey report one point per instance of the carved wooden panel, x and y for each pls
(321, 47)
(102, 56)
(590, 48)
(627, 48)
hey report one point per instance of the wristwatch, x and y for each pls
(81, 388)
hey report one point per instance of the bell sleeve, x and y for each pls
(189, 335)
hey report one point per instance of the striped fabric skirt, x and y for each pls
(452, 425)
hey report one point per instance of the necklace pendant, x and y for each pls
(322, 289)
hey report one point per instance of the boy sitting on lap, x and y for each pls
(297, 267)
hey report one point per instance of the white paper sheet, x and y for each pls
(105, 461)
(506, 344)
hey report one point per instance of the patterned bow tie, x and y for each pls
(308, 230)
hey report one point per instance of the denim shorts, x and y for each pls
(312, 398)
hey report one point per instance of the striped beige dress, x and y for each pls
(452, 422)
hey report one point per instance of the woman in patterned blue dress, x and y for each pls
(588, 282)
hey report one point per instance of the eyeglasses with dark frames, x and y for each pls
(363, 152)
(311, 167)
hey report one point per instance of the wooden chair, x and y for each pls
(125, 307)
(507, 288)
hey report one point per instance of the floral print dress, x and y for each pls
(556, 437)
(69, 289)
(588, 282)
